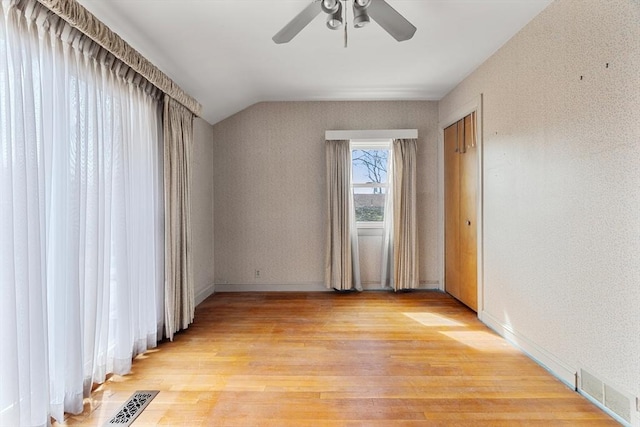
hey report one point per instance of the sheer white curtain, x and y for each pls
(80, 216)
(24, 392)
(386, 261)
(353, 226)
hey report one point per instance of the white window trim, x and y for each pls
(370, 185)
(369, 224)
(369, 144)
(369, 135)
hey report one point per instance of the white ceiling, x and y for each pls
(221, 52)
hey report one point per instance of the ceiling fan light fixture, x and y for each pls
(360, 15)
(364, 11)
(330, 7)
(334, 20)
(361, 21)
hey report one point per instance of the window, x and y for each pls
(81, 254)
(369, 181)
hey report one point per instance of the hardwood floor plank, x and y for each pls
(328, 359)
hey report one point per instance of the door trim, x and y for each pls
(450, 118)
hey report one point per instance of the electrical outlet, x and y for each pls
(257, 274)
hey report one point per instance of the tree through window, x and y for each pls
(369, 179)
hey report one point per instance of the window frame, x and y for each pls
(370, 144)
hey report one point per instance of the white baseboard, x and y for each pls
(551, 363)
(612, 414)
(303, 287)
(622, 405)
(204, 293)
(431, 285)
(272, 287)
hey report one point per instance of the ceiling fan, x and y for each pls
(378, 10)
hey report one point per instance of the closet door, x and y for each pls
(468, 223)
(451, 211)
(460, 202)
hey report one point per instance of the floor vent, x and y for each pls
(133, 407)
(615, 401)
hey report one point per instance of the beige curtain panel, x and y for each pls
(179, 286)
(405, 230)
(338, 269)
(79, 17)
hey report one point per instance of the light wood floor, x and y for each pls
(316, 359)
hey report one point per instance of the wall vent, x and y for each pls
(615, 401)
(592, 386)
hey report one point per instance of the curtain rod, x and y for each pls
(83, 20)
(371, 134)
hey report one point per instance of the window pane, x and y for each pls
(369, 166)
(369, 203)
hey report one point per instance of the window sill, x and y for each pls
(370, 224)
(370, 231)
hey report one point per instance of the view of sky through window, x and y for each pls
(370, 166)
(369, 178)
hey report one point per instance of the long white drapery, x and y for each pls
(386, 260)
(80, 217)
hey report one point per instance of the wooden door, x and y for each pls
(451, 211)
(468, 217)
(461, 212)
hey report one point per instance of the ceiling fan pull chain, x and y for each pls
(346, 24)
(346, 39)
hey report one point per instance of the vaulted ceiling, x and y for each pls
(221, 52)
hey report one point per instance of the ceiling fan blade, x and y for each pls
(389, 19)
(296, 25)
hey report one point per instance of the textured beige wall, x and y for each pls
(202, 209)
(562, 184)
(270, 186)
